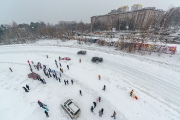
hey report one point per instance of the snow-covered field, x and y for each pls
(156, 81)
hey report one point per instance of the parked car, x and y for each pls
(97, 59)
(72, 109)
(81, 52)
(33, 75)
(66, 58)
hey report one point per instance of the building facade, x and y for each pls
(121, 19)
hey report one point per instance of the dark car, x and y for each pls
(97, 59)
(33, 75)
(81, 52)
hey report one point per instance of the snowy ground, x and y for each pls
(154, 79)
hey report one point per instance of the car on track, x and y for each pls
(72, 109)
(97, 59)
(66, 58)
(81, 52)
(33, 75)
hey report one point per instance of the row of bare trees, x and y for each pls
(20, 33)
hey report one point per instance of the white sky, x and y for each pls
(52, 11)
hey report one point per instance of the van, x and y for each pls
(72, 109)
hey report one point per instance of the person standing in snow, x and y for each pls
(60, 74)
(68, 67)
(92, 109)
(59, 79)
(94, 104)
(27, 86)
(55, 61)
(62, 70)
(10, 69)
(132, 92)
(46, 112)
(99, 99)
(59, 58)
(114, 115)
(32, 62)
(102, 110)
(47, 56)
(99, 77)
(65, 82)
(60, 64)
(104, 88)
(80, 60)
(72, 81)
(54, 75)
(41, 104)
(31, 69)
(80, 92)
(25, 89)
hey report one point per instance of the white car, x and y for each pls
(72, 109)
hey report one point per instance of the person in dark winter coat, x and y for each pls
(65, 82)
(92, 109)
(68, 67)
(114, 115)
(31, 69)
(10, 69)
(59, 58)
(41, 104)
(55, 61)
(60, 64)
(80, 92)
(57, 65)
(102, 110)
(54, 75)
(72, 81)
(94, 104)
(46, 113)
(104, 88)
(32, 62)
(25, 89)
(59, 79)
(99, 99)
(80, 60)
(27, 86)
(50, 74)
(30, 65)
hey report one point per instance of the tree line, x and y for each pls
(22, 33)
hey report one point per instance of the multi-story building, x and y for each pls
(122, 19)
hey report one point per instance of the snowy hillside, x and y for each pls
(155, 80)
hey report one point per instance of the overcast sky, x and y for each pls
(52, 11)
